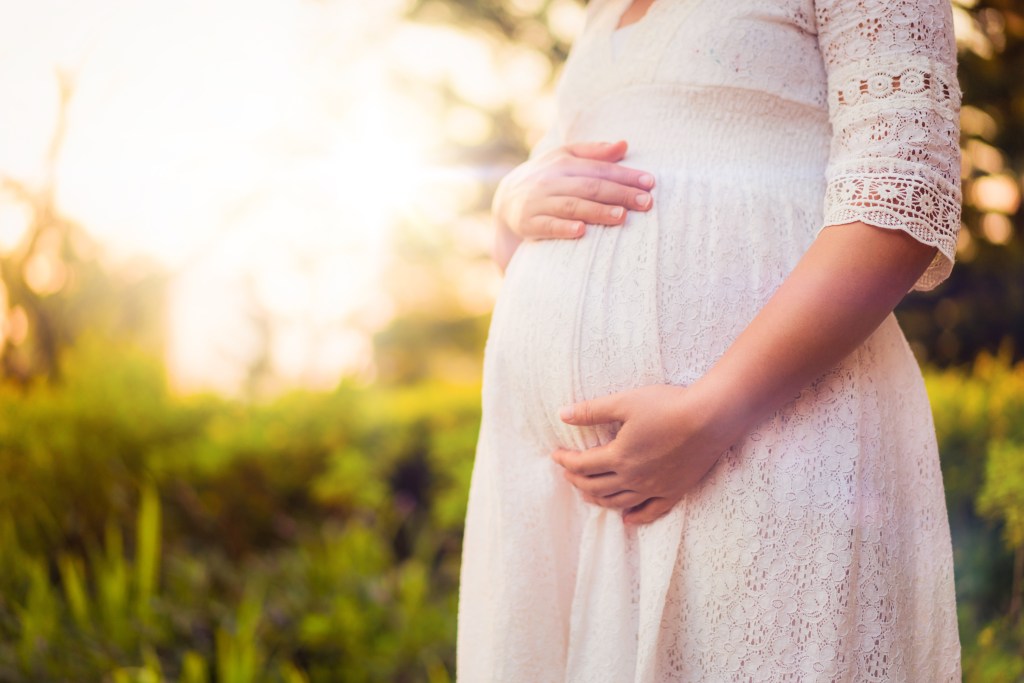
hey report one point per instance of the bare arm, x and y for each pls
(850, 279)
(893, 103)
(839, 293)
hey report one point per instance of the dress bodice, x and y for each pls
(882, 93)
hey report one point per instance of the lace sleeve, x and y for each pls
(894, 106)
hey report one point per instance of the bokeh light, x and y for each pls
(262, 152)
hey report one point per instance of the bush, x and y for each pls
(151, 537)
(979, 419)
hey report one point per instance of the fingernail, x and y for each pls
(647, 180)
(617, 212)
(566, 413)
(644, 200)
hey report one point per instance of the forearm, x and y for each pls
(842, 289)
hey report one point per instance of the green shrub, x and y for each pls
(146, 536)
(979, 419)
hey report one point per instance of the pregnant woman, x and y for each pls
(706, 451)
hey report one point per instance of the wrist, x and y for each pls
(503, 207)
(498, 207)
(721, 409)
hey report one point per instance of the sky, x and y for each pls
(259, 150)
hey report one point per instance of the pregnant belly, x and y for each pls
(542, 347)
(655, 301)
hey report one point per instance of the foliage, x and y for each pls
(979, 419)
(981, 305)
(54, 286)
(150, 537)
(145, 536)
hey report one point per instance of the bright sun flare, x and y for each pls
(258, 150)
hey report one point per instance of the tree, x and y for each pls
(55, 284)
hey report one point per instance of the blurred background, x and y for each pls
(244, 290)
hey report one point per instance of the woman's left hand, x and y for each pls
(667, 442)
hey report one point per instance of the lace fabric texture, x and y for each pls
(818, 548)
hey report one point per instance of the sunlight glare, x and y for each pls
(376, 161)
(14, 221)
(261, 152)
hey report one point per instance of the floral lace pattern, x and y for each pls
(894, 104)
(902, 196)
(818, 549)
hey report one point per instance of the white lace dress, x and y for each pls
(818, 548)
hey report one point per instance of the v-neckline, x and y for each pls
(618, 40)
(614, 53)
(622, 12)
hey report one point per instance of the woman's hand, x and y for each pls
(847, 283)
(668, 441)
(556, 194)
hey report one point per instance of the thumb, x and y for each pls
(599, 151)
(593, 412)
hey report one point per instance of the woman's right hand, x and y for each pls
(556, 194)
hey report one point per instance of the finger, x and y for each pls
(648, 511)
(624, 500)
(589, 462)
(600, 485)
(600, 502)
(588, 168)
(542, 227)
(599, 190)
(578, 209)
(620, 501)
(607, 151)
(601, 410)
